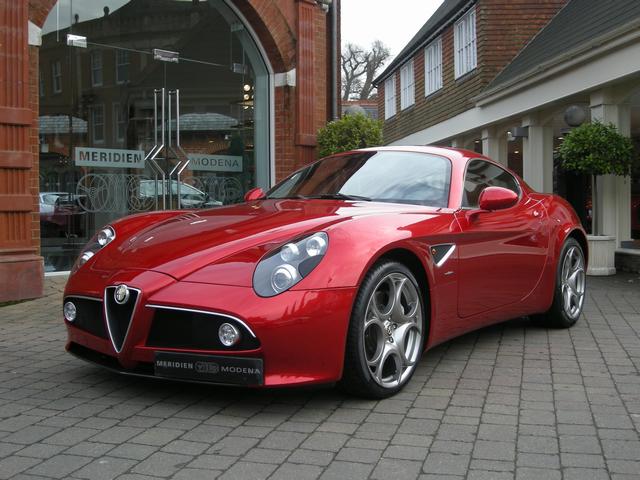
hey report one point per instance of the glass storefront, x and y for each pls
(144, 105)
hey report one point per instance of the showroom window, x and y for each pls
(465, 44)
(407, 85)
(390, 97)
(56, 76)
(122, 66)
(433, 67)
(97, 144)
(96, 68)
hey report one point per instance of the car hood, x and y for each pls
(190, 240)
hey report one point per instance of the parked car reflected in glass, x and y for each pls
(61, 215)
(190, 196)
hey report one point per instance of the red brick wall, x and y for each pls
(503, 28)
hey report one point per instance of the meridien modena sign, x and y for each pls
(108, 158)
(215, 163)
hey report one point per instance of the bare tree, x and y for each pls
(359, 68)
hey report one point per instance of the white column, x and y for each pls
(614, 192)
(494, 145)
(537, 155)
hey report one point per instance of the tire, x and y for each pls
(385, 337)
(570, 287)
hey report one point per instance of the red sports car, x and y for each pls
(346, 272)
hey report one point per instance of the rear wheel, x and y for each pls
(570, 288)
(386, 332)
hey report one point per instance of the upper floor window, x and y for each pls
(96, 68)
(407, 85)
(390, 97)
(97, 123)
(122, 66)
(120, 122)
(433, 67)
(480, 175)
(464, 40)
(56, 76)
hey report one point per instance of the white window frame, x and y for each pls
(433, 67)
(465, 44)
(119, 118)
(56, 76)
(390, 96)
(94, 125)
(127, 55)
(407, 85)
(95, 60)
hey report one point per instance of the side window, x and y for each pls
(480, 175)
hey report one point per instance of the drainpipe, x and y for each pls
(335, 45)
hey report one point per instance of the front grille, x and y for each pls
(89, 315)
(119, 316)
(187, 329)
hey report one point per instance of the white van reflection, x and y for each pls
(190, 196)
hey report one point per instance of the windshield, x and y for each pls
(387, 176)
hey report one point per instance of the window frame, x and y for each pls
(390, 97)
(93, 110)
(407, 85)
(520, 191)
(56, 76)
(96, 54)
(126, 64)
(117, 112)
(433, 70)
(465, 49)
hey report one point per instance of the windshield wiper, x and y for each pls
(340, 196)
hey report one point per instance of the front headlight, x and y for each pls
(100, 240)
(283, 268)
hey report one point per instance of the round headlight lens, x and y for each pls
(86, 256)
(105, 236)
(289, 252)
(283, 277)
(316, 245)
(69, 311)
(228, 334)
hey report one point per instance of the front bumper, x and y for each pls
(300, 334)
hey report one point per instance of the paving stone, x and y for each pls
(106, 468)
(446, 463)
(13, 465)
(292, 471)
(60, 466)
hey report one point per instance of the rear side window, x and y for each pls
(480, 175)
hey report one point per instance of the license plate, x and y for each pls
(209, 368)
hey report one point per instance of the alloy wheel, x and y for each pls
(392, 333)
(573, 282)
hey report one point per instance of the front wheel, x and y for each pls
(570, 288)
(386, 332)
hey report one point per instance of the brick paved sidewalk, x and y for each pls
(511, 401)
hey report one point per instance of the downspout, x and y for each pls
(334, 59)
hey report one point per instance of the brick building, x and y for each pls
(509, 79)
(102, 100)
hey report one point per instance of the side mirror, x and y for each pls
(497, 198)
(253, 194)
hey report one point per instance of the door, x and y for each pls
(145, 108)
(501, 253)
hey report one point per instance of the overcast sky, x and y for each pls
(395, 22)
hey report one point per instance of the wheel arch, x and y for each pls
(581, 238)
(413, 262)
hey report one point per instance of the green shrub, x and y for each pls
(597, 149)
(349, 133)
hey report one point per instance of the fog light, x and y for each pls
(228, 334)
(69, 311)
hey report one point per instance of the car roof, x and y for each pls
(458, 156)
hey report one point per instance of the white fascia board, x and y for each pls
(581, 77)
